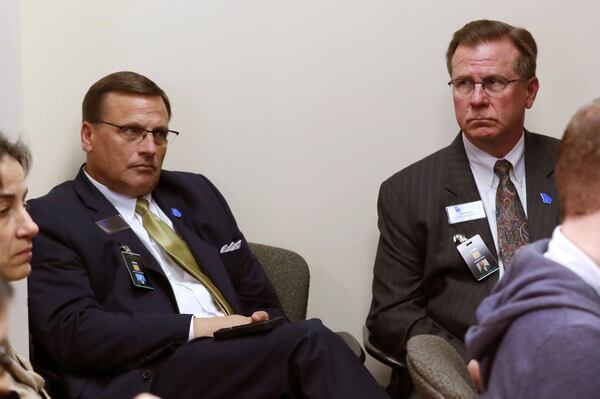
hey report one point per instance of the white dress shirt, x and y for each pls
(563, 251)
(482, 166)
(191, 295)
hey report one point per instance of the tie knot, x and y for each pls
(502, 167)
(141, 206)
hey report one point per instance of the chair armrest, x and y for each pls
(378, 353)
(353, 344)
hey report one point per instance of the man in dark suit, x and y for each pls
(495, 181)
(135, 268)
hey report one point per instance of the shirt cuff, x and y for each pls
(191, 333)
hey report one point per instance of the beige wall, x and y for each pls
(297, 110)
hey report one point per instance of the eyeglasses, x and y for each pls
(136, 133)
(492, 86)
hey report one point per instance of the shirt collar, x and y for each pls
(124, 204)
(563, 251)
(483, 163)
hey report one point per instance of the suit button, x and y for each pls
(147, 374)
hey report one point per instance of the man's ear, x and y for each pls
(533, 85)
(87, 132)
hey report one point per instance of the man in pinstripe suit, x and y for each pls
(422, 284)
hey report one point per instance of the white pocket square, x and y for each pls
(234, 246)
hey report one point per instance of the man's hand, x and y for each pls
(261, 315)
(473, 368)
(5, 382)
(206, 326)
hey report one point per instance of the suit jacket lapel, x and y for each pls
(207, 256)
(539, 177)
(100, 208)
(461, 188)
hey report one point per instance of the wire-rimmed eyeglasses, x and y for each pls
(493, 86)
(137, 133)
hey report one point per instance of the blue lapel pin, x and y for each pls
(176, 212)
(546, 199)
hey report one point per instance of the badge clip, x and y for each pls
(459, 238)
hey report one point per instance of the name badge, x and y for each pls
(465, 212)
(113, 224)
(478, 257)
(133, 262)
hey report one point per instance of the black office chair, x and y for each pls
(289, 274)
(401, 385)
(374, 349)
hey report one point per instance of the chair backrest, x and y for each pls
(437, 370)
(288, 272)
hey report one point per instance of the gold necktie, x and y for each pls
(178, 250)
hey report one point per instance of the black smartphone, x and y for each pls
(248, 329)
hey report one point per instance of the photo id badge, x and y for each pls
(478, 257)
(133, 262)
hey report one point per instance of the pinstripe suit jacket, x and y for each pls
(421, 284)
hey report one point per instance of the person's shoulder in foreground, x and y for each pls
(537, 333)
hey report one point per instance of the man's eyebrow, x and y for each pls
(462, 77)
(141, 126)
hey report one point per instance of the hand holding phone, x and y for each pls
(248, 329)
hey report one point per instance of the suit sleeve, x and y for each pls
(399, 306)
(71, 326)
